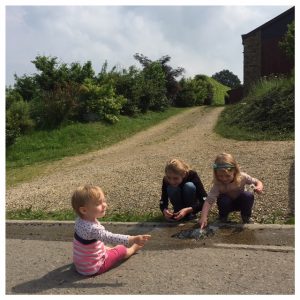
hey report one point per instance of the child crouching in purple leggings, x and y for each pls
(229, 190)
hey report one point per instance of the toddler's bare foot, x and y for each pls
(133, 249)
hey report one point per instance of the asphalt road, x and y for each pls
(38, 263)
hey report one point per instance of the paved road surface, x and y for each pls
(37, 264)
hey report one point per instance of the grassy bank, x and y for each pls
(236, 132)
(219, 91)
(266, 113)
(30, 155)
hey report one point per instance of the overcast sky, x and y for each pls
(201, 39)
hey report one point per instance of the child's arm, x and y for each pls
(204, 213)
(164, 201)
(257, 183)
(139, 239)
(100, 233)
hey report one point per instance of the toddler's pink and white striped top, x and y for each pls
(89, 251)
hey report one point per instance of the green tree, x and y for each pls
(26, 86)
(227, 78)
(50, 72)
(153, 95)
(129, 83)
(17, 119)
(172, 86)
(288, 42)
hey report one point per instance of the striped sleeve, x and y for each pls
(248, 179)
(100, 233)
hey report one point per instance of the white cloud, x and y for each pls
(201, 39)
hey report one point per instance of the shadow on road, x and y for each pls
(63, 277)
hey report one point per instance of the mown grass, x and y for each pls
(30, 155)
(69, 215)
(219, 93)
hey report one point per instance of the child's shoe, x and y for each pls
(189, 217)
(247, 220)
(222, 220)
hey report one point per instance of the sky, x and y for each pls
(202, 39)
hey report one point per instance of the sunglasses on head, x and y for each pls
(228, 167)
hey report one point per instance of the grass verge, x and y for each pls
(69, 215)
(29, 157)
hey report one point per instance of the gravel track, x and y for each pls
(130, 172)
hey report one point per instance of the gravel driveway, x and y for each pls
(131, 171)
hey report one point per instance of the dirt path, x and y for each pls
(131, 171)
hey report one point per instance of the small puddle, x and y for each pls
(190, 236)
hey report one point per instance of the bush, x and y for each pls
(18, 120)
(129, 84)
(51, 108)
(186, 96)
(100, 102)
(201, 90)
(153, 93)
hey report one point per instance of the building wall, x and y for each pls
(274, 60)
(262, 54)
(252, 59)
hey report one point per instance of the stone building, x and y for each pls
(262, 55)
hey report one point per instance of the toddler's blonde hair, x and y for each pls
(226, 158)
(83, 195)
(177, 166)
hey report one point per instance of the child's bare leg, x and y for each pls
(133, 249)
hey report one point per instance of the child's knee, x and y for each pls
(189, 187)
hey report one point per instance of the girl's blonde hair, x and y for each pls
(227, 164)
(83, 195)
(177, 166)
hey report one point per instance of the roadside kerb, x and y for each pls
(64, 230)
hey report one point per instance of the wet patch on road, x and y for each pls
(167, 236)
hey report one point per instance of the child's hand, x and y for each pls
(203, 222)
(258, 191)
(168, 215)
(182, 213)
(141, 239)
(259, 187)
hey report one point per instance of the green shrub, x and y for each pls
(18, 120)
(201, 90)
(100, 102)
(153, 93)
(51, 108)
(129, 84)
(186, 96)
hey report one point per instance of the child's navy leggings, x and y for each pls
(243, 203)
